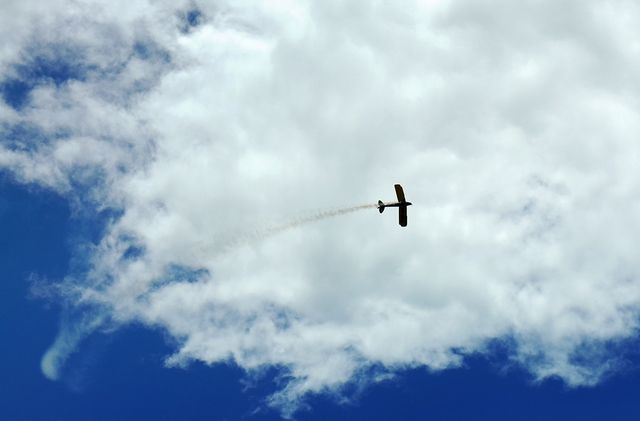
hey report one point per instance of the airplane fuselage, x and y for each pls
(395, 205)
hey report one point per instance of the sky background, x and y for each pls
(159, 162)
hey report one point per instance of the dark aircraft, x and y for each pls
(401, 204)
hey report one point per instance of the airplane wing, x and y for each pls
(402, 212)
(400, 193)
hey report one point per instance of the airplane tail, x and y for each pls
(380, 206)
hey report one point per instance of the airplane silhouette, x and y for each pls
(401, 204)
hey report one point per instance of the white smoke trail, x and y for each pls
(231, 240)
(313, 218)
(271, 230)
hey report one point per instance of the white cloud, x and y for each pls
(513, 129)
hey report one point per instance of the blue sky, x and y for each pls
(187, 219)
(121, 375)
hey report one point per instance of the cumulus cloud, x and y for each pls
(513, 129)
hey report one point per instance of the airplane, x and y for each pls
(401, 204)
